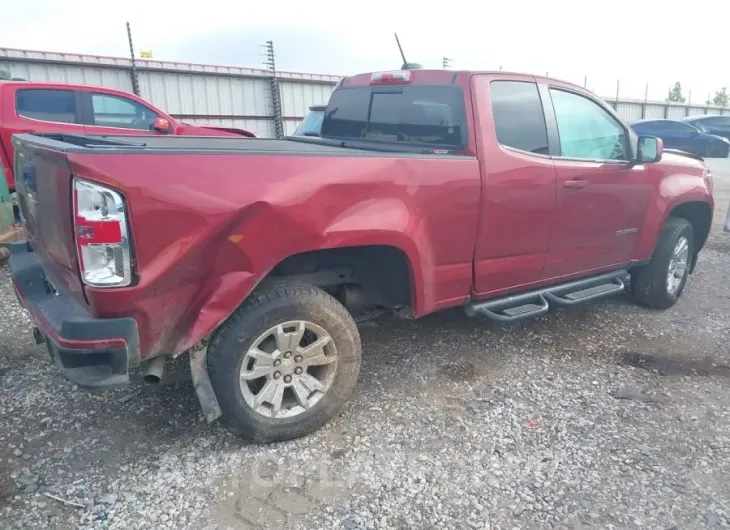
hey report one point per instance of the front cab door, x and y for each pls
(112, 114)
(601, 195)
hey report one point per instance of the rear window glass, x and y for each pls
(47, 105)
(518, 116)
(311, 125)
(420, 114)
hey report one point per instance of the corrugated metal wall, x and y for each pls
(634, 110)
(195, 93)
(233, 96)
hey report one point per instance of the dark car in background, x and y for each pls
(684, 136)
(312, 122)
(717, 125)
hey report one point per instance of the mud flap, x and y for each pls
(202, 385)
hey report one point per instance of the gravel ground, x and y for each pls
(601, 416)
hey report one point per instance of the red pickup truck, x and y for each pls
(81, 109)
(501, 193)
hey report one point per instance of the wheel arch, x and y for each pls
(385, 273)
(399, 258)
(679, 196)
(699, 215)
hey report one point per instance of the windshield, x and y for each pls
(415, 114)
(311, 125)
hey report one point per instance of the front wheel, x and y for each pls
(718, 150)
(284, 363)
(723, 150)
(660, 283)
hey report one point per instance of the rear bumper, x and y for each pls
(91, 352)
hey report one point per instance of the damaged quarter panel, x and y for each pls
(206, 234)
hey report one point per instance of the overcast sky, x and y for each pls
(635, 41)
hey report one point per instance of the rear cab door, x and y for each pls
(518, 179)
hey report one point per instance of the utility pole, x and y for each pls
(275, 91)
(135, 80)
(689, 102)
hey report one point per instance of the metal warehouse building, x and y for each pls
(237, 97)
(196, 93)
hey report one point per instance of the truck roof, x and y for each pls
(51, 84)
(441, 76)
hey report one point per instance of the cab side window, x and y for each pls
(123, 113)
(518, 116)
(57, 106)
(586, 130)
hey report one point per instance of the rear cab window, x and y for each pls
(52, 105)
(411, 115)
(518, 116)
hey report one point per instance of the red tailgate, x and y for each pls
(44, 195)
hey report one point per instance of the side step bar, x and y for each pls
(534, 303)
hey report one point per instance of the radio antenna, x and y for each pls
(400, 48)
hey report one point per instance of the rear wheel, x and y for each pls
(284, 363)
(660, 283)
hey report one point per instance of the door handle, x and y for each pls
(576, 184)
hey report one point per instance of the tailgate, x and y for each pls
(43, 183)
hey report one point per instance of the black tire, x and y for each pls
(718, 150)
(649, 283)
(271, 304)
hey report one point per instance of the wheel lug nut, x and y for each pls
(298, 370)
(277, 375)
(298, 358)
(287, 355)
(287, 379)
(277, 362)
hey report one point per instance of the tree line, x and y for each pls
(721, 99)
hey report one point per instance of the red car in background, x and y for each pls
(27, 106)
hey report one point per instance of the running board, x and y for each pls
(534, 303)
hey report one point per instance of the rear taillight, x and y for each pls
(102, 237)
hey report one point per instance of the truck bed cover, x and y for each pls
(302, 146)
(193, 144)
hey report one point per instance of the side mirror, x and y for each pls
(161, 125)
(650, 150)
